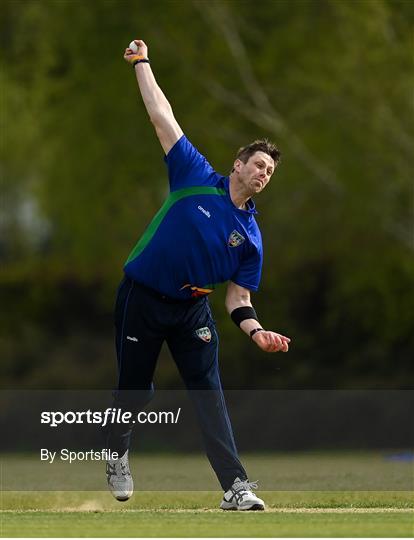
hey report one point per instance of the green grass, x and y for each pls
(293, 471)
(195, 514)
(203, 524)
(300, 512)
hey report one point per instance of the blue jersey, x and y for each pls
(198, 238)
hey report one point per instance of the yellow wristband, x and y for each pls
(136, 58)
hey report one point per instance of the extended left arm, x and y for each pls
(239, 297)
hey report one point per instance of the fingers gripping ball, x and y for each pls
(133, 46)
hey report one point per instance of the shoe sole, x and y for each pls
(122, 500)
(254, 508)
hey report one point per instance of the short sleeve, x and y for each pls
(249, 273)
(187, 167)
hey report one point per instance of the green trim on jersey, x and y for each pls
(160, 215)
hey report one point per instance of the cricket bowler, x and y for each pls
(204, 234)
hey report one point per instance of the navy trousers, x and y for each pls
(144, 319)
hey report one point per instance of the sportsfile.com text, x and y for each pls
(109, 416)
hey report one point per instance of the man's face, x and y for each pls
(256, 173)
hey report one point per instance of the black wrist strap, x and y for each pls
(240, 314)
(253, 332)
(142, 61)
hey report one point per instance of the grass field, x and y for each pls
(195, 513)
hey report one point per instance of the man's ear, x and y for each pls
(237, 165)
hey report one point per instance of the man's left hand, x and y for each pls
(271, 341)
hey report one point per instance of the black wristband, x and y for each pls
(240, 314)
(253, 332)
(142, 61)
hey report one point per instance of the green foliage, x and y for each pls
(82, 171)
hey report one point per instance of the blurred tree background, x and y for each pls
(330, 81)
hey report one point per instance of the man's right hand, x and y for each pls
(130, 56)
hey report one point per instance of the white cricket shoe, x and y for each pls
(119, 478)
(241, 497)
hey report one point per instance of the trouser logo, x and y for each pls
(204, 334)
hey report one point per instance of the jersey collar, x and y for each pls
(251, 207)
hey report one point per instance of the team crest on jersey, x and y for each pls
(235, 239)
(204, 334)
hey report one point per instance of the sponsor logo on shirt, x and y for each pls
(235, 239)
(204, 334)
(205, 212)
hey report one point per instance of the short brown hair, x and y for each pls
(260, 145)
